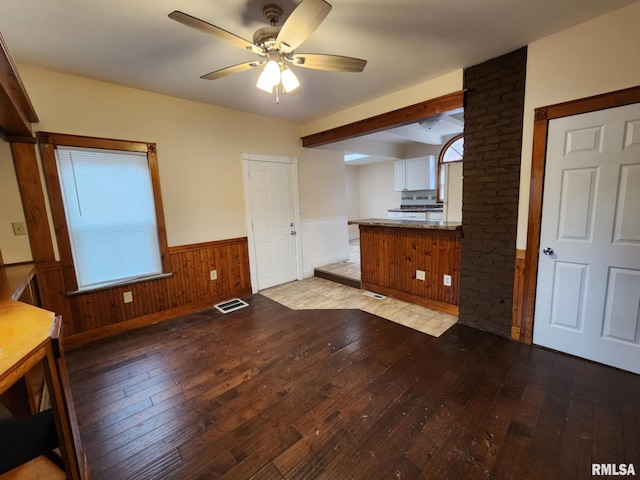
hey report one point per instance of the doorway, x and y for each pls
(273, 219)
(588, 294)
(543, 116)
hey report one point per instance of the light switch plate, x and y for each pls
(213, 274)
(447, 280)
(19, 228)
(127, 297)
(420, 275)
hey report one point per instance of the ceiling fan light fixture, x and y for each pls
(429, 123)
(289, 80)
(270, 76)
(275, 45)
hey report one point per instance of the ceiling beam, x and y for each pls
(401, 116)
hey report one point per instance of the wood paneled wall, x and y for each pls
(391, 256)
(92, 315)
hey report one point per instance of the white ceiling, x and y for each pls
(403, 142)
(134, 43)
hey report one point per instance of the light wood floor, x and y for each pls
(318, 293)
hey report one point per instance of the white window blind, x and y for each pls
(110, 211)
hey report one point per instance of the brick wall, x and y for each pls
(493, 113)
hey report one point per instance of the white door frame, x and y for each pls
(293, 165)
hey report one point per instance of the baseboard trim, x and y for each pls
(408, 297)
(350, 282)
(146, 320)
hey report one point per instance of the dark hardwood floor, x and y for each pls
(270, 393)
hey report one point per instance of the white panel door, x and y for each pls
(273, 222)
(452, 205)
(588, 293)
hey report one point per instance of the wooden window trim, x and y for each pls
(48, 143)
(451, 141)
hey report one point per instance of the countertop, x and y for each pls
(430, 208)
(23, 328)
(392, 222)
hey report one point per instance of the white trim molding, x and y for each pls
(293, 162)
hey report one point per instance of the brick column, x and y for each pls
(493, 115)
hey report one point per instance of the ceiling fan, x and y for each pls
(276, 46)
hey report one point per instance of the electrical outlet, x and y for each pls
(127, 297)
(447, 280)
(19, 228)
(213, 274)
(420, 274)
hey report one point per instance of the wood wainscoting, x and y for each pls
(101, 313)
(518, 292)
(390, 257)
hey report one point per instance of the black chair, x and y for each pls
(22, 440)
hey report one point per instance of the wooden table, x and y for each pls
(30, 335)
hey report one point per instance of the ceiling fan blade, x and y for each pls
(241, 67)
(214, 31)
(304, 19)
(333, 63)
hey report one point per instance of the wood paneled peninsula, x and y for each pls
(408, 260)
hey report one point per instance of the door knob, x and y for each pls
(548, 251)
(293, 232)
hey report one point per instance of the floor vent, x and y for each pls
(377, 296)
(231, 305)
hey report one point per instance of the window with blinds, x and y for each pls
(109, 206)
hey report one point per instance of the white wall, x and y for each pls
(352, 182)
(199, 155)
(598, 56)
(324, 207)
(14, 248)
(325, 241)
(429, 89)
(377, 190)
(322, 184)
(413, 150)
(198, 145)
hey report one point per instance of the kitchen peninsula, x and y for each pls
(415, 261)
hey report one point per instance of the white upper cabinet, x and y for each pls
(400, 175)
(415, 174)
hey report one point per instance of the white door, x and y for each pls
(452, 206)
(273, 222)
(588, 293)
